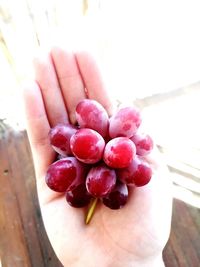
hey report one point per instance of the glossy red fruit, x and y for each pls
(100, 180)
(117, 198)
(119, 152)
(78, 196)
(87, 145)
(125, 122)
(64, 173)
(138, 173)
(91, 114)
(60, 138)
(143, 143)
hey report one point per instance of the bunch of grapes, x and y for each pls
(99, 158)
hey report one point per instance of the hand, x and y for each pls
(133, 236)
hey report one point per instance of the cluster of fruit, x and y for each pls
(99, 157)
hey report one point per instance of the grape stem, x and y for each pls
(91, 210)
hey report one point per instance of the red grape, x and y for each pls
(117, 198)
(137, 173)
(143, 143)
(78, 196)
(125, 122)
(87, 145)
(91, 114)
(64, 173)
(100, 180)
(119, 152)
(108, 157)
(60, 138)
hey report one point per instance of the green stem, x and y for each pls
(91, 210)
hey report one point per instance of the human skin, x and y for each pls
(133, 236)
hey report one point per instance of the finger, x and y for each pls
(37, 128)
(93, 81)
(69, 79)
(46, 77)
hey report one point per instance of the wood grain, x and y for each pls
(183, 248)
(23, 240)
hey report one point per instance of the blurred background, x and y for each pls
(149, 53)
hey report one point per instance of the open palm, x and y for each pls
(133, 236)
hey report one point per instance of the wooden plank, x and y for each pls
(184, 239)
(49, 257)
(190, 158)
(169, 255)
(14, 251)
(23, 239)
(167, 96)
(186, 183)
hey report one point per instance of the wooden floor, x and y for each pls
(23, 242)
